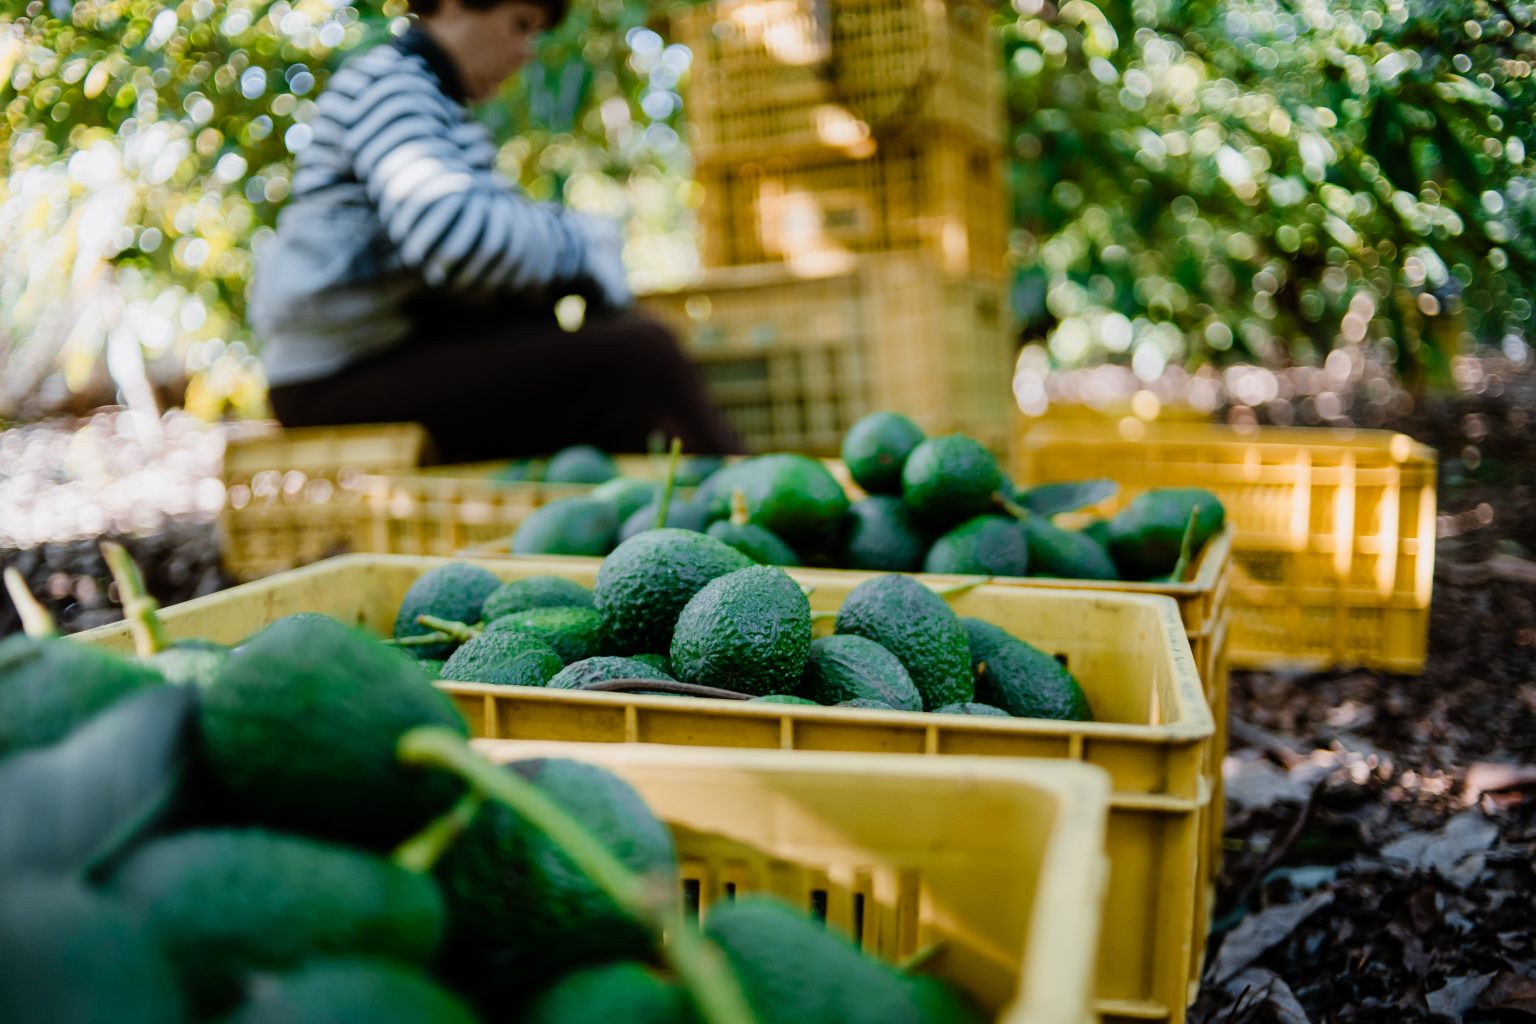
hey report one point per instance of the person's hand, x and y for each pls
(603, 264)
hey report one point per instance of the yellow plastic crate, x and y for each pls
(294, 496)
(1129, 651)
(939, 194)
(1334, 551)
(794, 360)
(445, 510)
(890, 851)
(783, 77)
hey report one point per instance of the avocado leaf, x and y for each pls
(1053, 499)
(70, 805)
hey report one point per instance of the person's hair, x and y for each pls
(554, 10)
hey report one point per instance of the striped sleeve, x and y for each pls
(448, 217)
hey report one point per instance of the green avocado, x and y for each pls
(1066, 554)
(580, 464)
(844, 667)
(914, 624)
(794, 970)
(876, 447)
(983, 546)
(353, 991)
(681, 515)
(504, 656)
(643, 586)
(68, 954)
(519, 911)
(626, 494)
(575, 633)
(578, 675)
(50, 685)
(222, 904)
(1145, 536)
(947, 480)
(883, 536)
(781, 698)
(535, 592)
(1022, 679)
(971, 707)
(762, 546)
(867, 705)
(299, 731)
(748, 631)
(793, 496)
(455, 591)
(626, 992)
(568, 526)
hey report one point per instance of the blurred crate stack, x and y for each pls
(854, 221)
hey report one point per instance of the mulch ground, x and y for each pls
(1381, 830)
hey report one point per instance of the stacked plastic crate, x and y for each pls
(854, 218)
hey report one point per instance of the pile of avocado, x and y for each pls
(931, 504)
(673, 606)
(250, 846)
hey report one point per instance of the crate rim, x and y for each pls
(1403, 449)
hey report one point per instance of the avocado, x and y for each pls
(432, 668)
(947, 480)
(882, 535)
(794, 970)
(643, 586)
(846, 667)
(223, 903)
(352, 991)
(780, 698)
(865, 703)
(914, 624)
(568, 526)
(748, 631)
(1022, 679)
(580, 464)
(520, 912)
(575, 633)
(619, 993)
(50, 685)
(943, 1003)
(189, 661)
(535, 592)
(876, 447)
(656, 661)
(1066, 554)
(300, 728)
(454, 591)
(626, 494)
(793, 496)
(972, 708)
(68, 954)
(681, 515)
(984, 546)
(578, 675)
(762, 546)
(504, 656)
(1098, 531)
(1145, 536)
(519, 471)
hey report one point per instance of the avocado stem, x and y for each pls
(961, 588)
(1012, 507)
(421, 852)
(420, 640)
(740, 516)
(463, 632)
(36, 621)
(666, 489)
(1186, 548)
(139, 607)
(664, 686)
(697, 965)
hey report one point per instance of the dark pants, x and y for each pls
(488, 391)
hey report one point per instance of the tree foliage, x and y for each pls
(1208, 179)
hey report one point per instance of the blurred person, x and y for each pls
(409, 282)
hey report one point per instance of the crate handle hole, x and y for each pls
(819, 904)
(691, 898)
